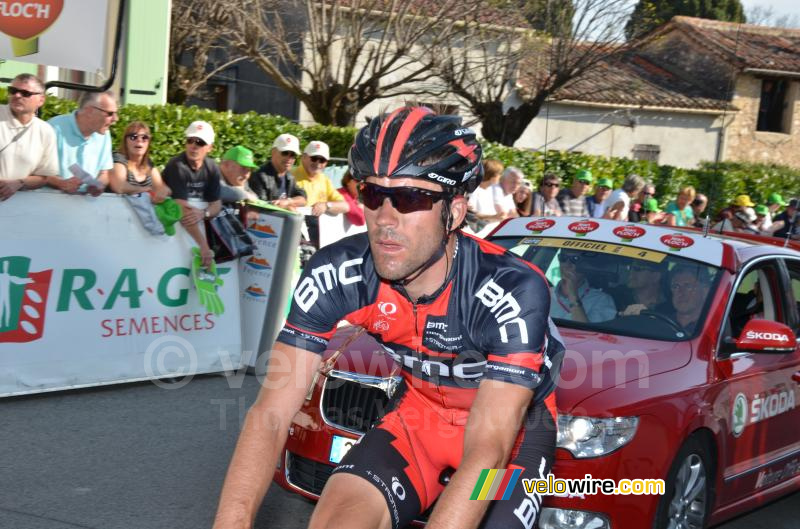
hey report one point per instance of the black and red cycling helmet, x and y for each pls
(415, 142)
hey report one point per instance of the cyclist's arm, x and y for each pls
(289, 373)
(493, 425)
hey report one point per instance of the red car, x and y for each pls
(683, 365)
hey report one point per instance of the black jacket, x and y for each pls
(268, 186)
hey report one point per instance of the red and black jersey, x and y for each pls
(490, 319)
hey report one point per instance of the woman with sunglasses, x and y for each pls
(467, 322)
(133, 170)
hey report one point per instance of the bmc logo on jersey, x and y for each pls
(505, 309)
(323, 279)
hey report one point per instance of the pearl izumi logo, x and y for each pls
(23, 300)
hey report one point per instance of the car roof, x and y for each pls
(728, 250)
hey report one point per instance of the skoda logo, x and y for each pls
(739, 414)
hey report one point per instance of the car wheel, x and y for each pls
(687, 499)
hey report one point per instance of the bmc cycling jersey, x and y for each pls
(490, 319)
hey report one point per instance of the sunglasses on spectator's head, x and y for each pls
(403, 199)
(13, 90)
(196, 141)
(317, 159)
(551, 184)
(289, 154)
(134, 137)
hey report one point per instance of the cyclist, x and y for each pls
(467, 321)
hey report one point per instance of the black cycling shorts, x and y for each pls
(408, 454)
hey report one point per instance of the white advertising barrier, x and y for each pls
(66, 33)
(266, 278)
(88, 297)
(335, 227)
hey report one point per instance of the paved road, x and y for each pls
(141, 456)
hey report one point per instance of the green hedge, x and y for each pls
(720, 182)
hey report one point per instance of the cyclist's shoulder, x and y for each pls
(481, 259)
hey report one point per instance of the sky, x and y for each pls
(780, 7)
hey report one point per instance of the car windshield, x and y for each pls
(620, 289)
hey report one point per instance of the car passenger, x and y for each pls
(573, 298)
(646, 292)
(689, 285)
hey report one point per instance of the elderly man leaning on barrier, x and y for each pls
(84, 145)
(195, 182)
(273, 181)
(236, 166)
(320, 193)
(27, 144)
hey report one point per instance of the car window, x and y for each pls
(755, 297)
(794, 290)
(620, 289)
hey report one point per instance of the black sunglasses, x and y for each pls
(572, 258)
(108, 113)
(317, 159)
(196, 141)
(289, 154)
(403, 199)
(551, 184)
(134, 137)
(13, 90)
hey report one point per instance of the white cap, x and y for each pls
(287, 142)
(202, 130)
(318, 148)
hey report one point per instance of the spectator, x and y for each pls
(349, 190)
(762, 213)
(699, 205)
(573, 298)
(523, 198)
(133, 171)
(503, 192)
(618, 203)
(689, 286)
(27, 145)
(573, 200)
(482, 209)
(82, 138)
(681, 208)
(739, 203)
(595, 204)
(236, 166)
(195, 182)
(741, 221)
(774, 203)
(646, 289)
(636, 211)
(786, 224)
(320, 193)
(274, 182)
(652, 214)
(544, 200)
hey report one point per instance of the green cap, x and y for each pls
(584, 175)
(168, 212)
(651, 206)
(605, 182)
(241, 155)
(775, 198)
(761, 209)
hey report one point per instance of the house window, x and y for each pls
(644, 151)
(772, 107)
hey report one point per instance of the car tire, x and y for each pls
(687, 501)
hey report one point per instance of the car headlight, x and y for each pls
(594, 436)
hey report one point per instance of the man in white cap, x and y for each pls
(195, 182)
(320, 193)
(273, 182)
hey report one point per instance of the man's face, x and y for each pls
(402, 242)
(21, 105)
(549, 189)
(102, 115)
(313, 164)
(699, 207)
(688, 293)
(197, 149)
(580, 187)
(282, 161)
(641, 275)
(236, 175)
(601, 193)
(510, 183)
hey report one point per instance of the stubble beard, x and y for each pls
(413, 256)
